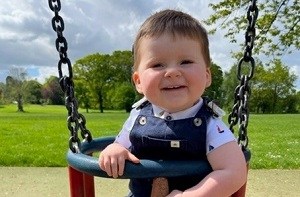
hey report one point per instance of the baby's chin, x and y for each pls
(176, 108)
(173, 104)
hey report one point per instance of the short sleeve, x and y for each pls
(123, 137)
(218, 134)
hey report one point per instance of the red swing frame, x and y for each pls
(82, 184)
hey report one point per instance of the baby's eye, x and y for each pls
(186, 62)
(157, 66)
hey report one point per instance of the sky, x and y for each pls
(27, 39)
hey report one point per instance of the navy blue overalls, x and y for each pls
(157, 139)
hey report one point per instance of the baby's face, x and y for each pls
(171, 73)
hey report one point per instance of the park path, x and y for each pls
(37, 181)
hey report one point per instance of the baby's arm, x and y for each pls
(228, 175)
(112, 159)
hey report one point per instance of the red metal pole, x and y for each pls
(89, 188)
(81, 184)
(242, 191)
(76, 183)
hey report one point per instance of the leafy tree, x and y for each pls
(96, 71)
(83, 95)
(2, 90)
(228, 86)
(124, 93)
(271, 88)
(123, 96)
(291, 103)
(123, 61)
(298, 101)
(32, 91)
(101, 73)
(278, 26)
(52, 92)
(231, 82)
(215, 91)
(275, 83)
(14, 83)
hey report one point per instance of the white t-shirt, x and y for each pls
(217, 132)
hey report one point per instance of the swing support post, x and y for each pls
(242, 191)
(81, 184)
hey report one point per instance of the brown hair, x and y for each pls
(175, 23)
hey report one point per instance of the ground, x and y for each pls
(36, 182)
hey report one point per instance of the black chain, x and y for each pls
(75, 120)
(240, 110)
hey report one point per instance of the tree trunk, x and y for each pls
(100, 98)
(20, 103)
(274, 100)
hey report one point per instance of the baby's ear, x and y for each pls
(208, 77)
(137, 82)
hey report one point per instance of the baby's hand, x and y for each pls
(112, 159)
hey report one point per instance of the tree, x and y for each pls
(96, 72)
(230, 83)
(228, 86)
(123, 61)
(291, 103)
(14, 83)
(278, 26)
(2, 90)
(123, 96)
(215, 91)
(271, 88)
(101, 73)
(83, 95)
(298, 101)
(275, 84)
(32, 92)
(52, 92)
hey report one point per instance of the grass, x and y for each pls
(39, 137)
(275, 141)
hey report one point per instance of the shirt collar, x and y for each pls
(187, 113)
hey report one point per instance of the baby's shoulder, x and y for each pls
(140, 103)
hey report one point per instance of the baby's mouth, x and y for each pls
(173, 87)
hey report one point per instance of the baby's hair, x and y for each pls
(176, 23)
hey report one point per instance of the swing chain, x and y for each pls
(75, 120)
(240, 110)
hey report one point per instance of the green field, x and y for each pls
(39, 137)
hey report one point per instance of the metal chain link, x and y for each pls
(75, 120)
(240, 110)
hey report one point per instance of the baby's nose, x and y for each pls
(173, 72)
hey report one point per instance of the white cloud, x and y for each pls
(46, 72)
(27, 38)
(295, 69)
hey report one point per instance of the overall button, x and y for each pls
(169, 118)
(197, 122)
(142, 120)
